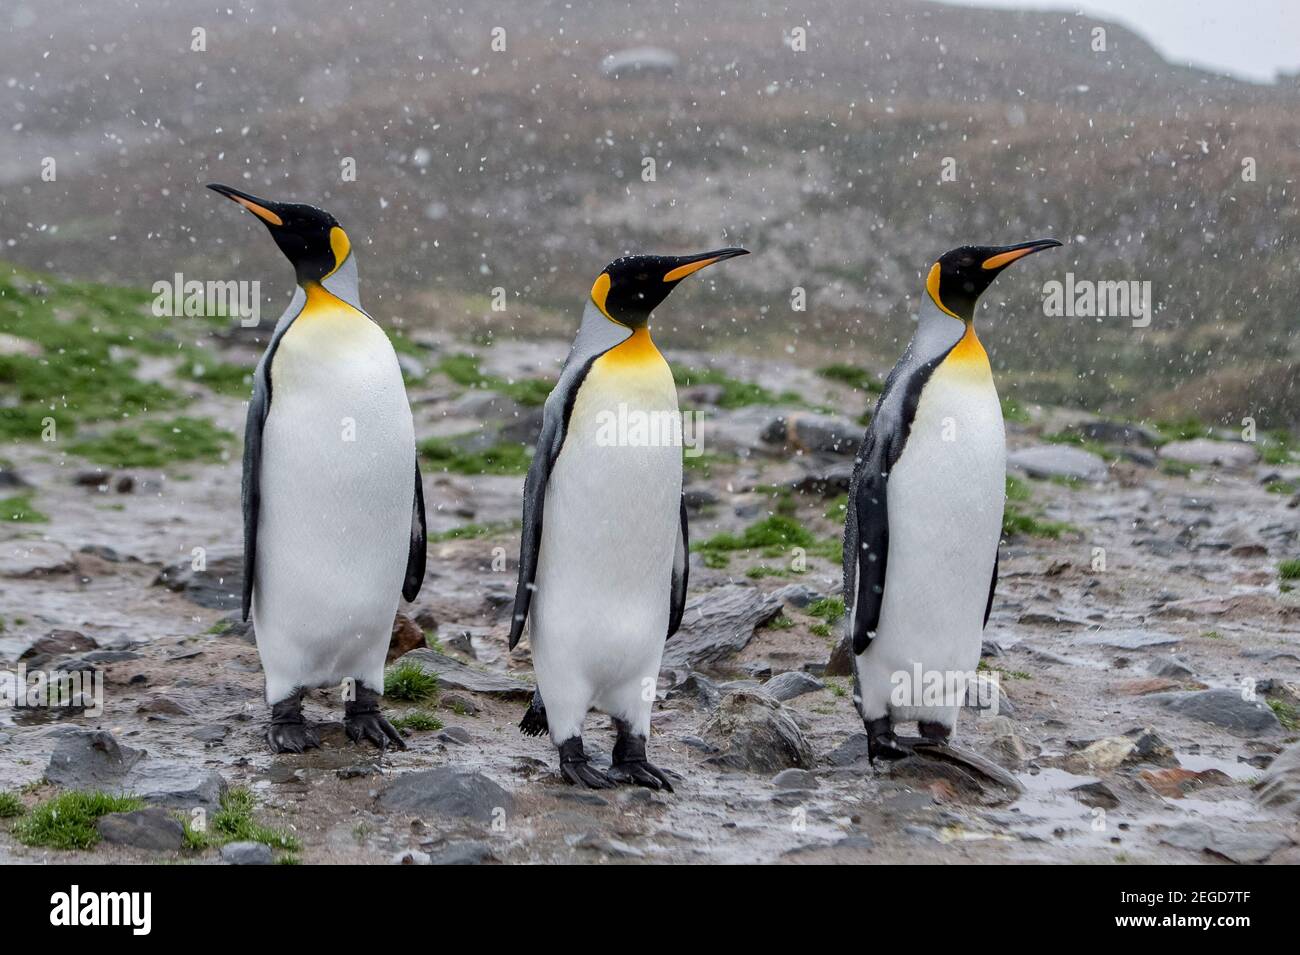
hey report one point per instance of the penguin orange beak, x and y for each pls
(684, 265)
(262, 208)
(1007, 254)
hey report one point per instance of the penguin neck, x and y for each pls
(339, 286)
(938, 334)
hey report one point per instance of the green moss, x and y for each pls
(854, 377)
(837, 509)
(1012, 411)
(837, 688)
(464, 370)
(419, 721)
(759, 571)
(830, 609)
(1016, 522)
(472, 531)
(704, 463)
(775, 532)
(222, 377)
(734, 393)
(408, 682)
(18, 510)
(1017, 490)
(155, 444)
(68, 820)
(10, 805)
(1182, 430)
(780, 622)
(1278, 447)
(1176, 468)
(1281, 487)
(234, 822)
(1289, 569)
(449, 455)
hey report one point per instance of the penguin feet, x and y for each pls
(577, 770)
(882, 743)
(363, 720)
(289, 732)
(934, 733)
(630, 764)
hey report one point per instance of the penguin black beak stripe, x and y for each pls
(258, 207)
(694, 263)
(1012, 253)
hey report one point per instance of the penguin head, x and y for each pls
(957, 280)
(629, 288)
(310, 238)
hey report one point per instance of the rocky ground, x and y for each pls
(1144, 636)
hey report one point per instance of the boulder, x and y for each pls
(756, 733)
(154, 829)
(1223, 707)
(806, 432)
(1280, 786)
(246, 853)
(792, 683)
(93, 759)
(407, 636)
(448, 792)
(718, 624)
(1206, 451)
(1058, 461)
(219, 586)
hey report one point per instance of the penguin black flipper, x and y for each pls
(596, 335)
(866, 543)
(259, 406)
(681, 574)
(419, 545)
(993, 586)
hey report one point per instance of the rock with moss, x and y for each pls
(755, 733)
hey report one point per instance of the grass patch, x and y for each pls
(18, 510)
(704, 463)
(472, 531)
(68, 820)
(1281, 487)
(734, 393)
(155, 444)
(408, 682)
(1289, 569)
(1017, 490)
(1286, 714)
(448, 455)
(1015, 522)
(419, 721)
(780, 622)
(759, 571)
(854, 377)
(11, 807)
(223, 377)
(1176, 468)
(774, 536)
(837, 688)
(838, 509)
(1012, 411)
(464, 370)
(234, 822)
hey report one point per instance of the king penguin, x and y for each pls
(333, 506)
(603, 555)
(924, 518)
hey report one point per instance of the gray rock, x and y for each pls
(1097, 794)
(825, 481)
(246, 853)
(1116, 432)
(456, 735)
(598, 842)
(697, 687)
(464, 853)
(849, 753)
(840, 662)
(805, 431)
(795, 779)
(154, 829)
(446, 791)
(698, 497)
(454, 675)
(1168, 665)
(1280, 787)
(1058, 461)
(1127, 639)
(33, 558)
(792, 683)
(797, 595)
(1223, 707)
(219, 586)
(756, 733)
(411, 857)
(718, 624)
(57, 643)
(1239, 847)
(11, 480)
(1204, 451)
(93, 759)
(211, 734)
(641, 60)
(110, 656)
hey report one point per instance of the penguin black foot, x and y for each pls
(935, 733)
(575, 768)
(289, 732)
(630, 763)
(534, 721)
(363, 720)
(882, 743)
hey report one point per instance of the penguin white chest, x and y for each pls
(611, 519)
(337, 484)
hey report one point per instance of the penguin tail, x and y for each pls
(534, 721)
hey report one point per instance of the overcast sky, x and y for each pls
(1253, 39)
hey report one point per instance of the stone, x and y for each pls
(849, 753)
(754, 732)
(154, 829)
(827, 481)
(841, 658)
(1280, 786)
(407, 636)
(1116, 432)
(797, 595)
(93, 759)
(1101, 756)
(792, 683)
(1239, 847)
(1206, 451)
(1174, 782)
(246, 853)
(1127, 639)
(458, 704)
(1223, 707)
(411, 857)
(464, 853)
(795, 779)
(1155, 684)
(597, 842)
(33, 558)
(164, 705)
(1096, 794)
(698, 687)
(807, 432)
(1168, 665)
(211, 734)
(57, 643)
(700, 497)
(219, 586)
(455, 735)
(718, 624)
(452, 674)
(639, 61)
(1047, 461)
(446, 791)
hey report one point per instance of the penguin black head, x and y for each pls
(957, 280)
(310, 238)
(628, 289)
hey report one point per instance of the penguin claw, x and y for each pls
(375, 728)
(640, 773)
(291, 738)
(582, 774)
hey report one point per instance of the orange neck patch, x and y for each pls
(639, 350)
(968, 354)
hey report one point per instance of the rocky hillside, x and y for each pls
(1145, 635)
